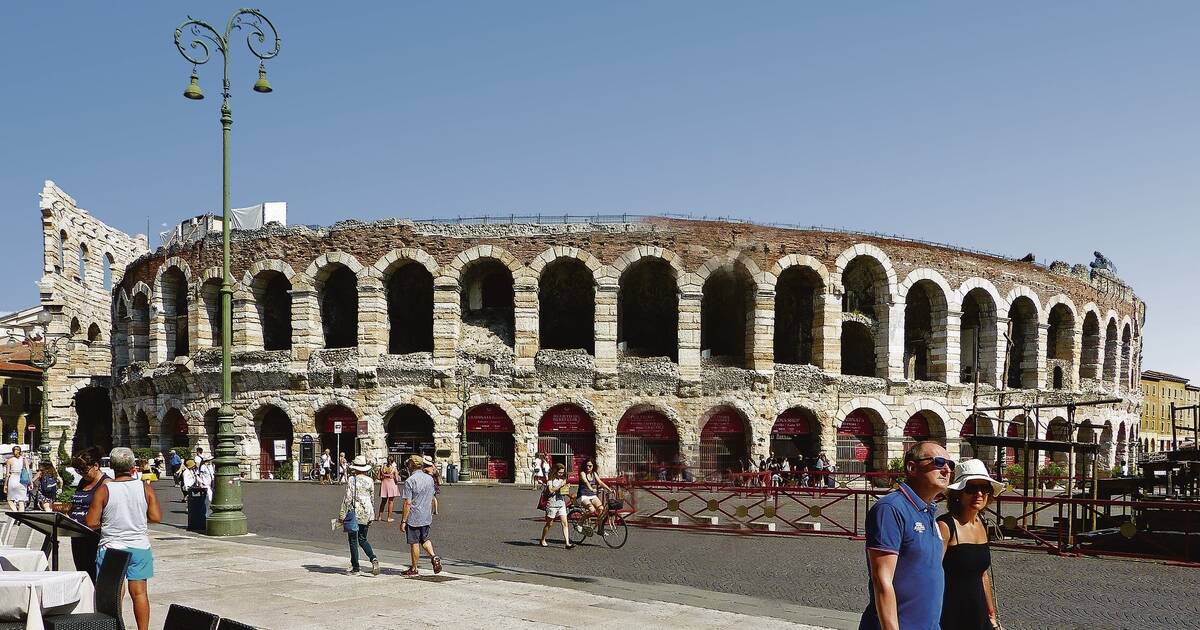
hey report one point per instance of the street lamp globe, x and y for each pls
(262, 86)
(193, 91)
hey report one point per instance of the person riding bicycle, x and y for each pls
(589, 484)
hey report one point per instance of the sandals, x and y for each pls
(437, 565)
(543, 543)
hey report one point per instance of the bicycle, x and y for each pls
(609, 523)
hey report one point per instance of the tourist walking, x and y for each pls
(45, 487)
(326, 468)
(904, 551)
(540, 468)
(16, 480)
(388, 490)
(122, 510)
(357, 512)
(341, 471)
(555, 493)
(195, 484)
(83, 548)
(417, 517)
(173, 463)
(967, 601)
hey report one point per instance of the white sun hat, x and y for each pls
(971, 470)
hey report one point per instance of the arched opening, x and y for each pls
(173, 431)
(123, 432)
(724, 444)
(337, 427)
(122, 352)
(1083, 461)
(1057, 431)
(977, 337)
(1110, 352)
(727, 316)
(76, 328)
(274, 430)
(1126, 355)
(486, 301)
(858, 349)
(567, 435)
(924, 425)
(337, 287)
(93, 420)
(410, 309)
(1106, 444)
(93, 333)
(1060, 333)
(1089, 360)
(273, 303)
(796, 435)
(1016, 429)
(409, 432)
(972, 426)
(1122, 446)
(567, 306)
(175, 312)
(1022, 352)
(210, 301)
(109, 263)
(648, 310)
(864, 314)
(647, 445)
(925, 332)
(795, 314)
(141, 430)
(62, 251)
(1057, 381)
(490, 443)
(139, 328)
(862, 442)
(83, 256)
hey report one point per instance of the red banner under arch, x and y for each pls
(857, 423)
(725, 421)
(794, 421)
(488, 419)
(565, 418)
(651, 425)
(917, 426)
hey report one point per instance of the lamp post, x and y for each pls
(45, 359)
(227, 518)
(464, 397)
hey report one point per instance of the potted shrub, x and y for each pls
(1015, 474)
(285, 470)
(1049, 472)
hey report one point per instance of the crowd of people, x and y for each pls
(778, 470)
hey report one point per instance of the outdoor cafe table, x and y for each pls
(30, 594)
(13, 559)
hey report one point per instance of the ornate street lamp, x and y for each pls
(464, 398)
(227, 518)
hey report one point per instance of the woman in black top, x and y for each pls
(967, 602)
(83, 549)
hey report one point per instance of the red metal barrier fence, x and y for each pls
(1160, 530)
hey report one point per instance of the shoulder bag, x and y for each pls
(25, 478)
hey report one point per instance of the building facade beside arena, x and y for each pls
(652, 344)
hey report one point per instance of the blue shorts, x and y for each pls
(141, 563)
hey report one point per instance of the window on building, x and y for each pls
(108, 271)
(62, 254)
(83, 253)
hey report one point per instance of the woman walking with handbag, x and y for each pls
(555, 492)
(388, 490)
(968, 602)
(17, 480)
(358, 511)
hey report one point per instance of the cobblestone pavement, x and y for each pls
(498, 525)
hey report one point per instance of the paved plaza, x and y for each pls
(494, 529)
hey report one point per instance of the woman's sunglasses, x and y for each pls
(978, 489)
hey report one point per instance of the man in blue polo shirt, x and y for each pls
(904, 547)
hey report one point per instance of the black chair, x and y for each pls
(184, 618)
(229, 624)
(108, 599)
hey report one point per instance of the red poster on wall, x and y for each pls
(791, 422)
(339, 414)
(488, 419)
(861, 452)
(723, 422)
(857, 423)
(968, 427)
(917, 426)
(497, 469)
(565, 419)
(650, 425)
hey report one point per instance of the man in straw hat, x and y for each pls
(417, 516)
(904, 546)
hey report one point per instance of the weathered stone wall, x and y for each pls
(511, 371)
(78, 297)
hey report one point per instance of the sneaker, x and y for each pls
(352, 571)
(375, 566)
(410, 573)
(437, 564)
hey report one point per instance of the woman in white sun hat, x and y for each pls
(968, 601)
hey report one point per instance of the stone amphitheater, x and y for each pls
(658, 346)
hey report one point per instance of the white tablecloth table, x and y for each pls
(29, 594)
(23, 560)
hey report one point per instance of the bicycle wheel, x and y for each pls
(615, 532)
(577, 520)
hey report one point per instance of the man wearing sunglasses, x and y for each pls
(904, 546)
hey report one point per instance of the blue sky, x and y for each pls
(1054, 128)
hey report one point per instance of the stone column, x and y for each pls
(306, 322)
(446, 319)
(159, 340)
(827, 332)
(606, 326)
(373, 325)
(525, 318)
(760, 342)
(194, 307)
(1039, 370)
(690, 296)
(247, 334)
(1001, 351)
(889, 340)
(947, 351)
